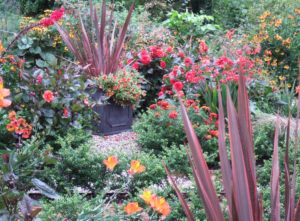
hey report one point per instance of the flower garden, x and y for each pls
(149, 110)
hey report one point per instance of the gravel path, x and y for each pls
(123, 142)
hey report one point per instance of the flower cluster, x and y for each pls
(124, 87)
(18, 125)
(4, 93)
(157, 203)
(279, 38)
(54, 17)
(135, 166)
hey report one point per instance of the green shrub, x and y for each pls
(67, 207)
(34, 7)
(185, 25)
(155, 130)
(176, 159)
(76, 166)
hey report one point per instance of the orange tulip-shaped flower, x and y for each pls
(111, 162)
(160, 205)
(3, 94)
(136, 167)
(147, 196)
(132, 208)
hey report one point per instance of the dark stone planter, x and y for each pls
(114, 118)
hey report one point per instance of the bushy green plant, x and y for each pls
(185, 25)
(175, 157)
(34, 7)
(67, 207)
(76, 166)
(67, 103)
(161, 126)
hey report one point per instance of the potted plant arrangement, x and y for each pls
(98, 49)
(119, 93)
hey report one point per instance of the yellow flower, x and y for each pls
(147, 196)
(274, 63)
(297, 11)
(265, 15)
(278, 37)
(281, 78)
(136, 167)
(277, 23)
(286, 67)
(287, 42)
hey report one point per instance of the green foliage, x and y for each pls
(76, 166)
(67, 207)
(34, 7)
(186, 25)
(175, 158)
(155, 130)
(70, 106)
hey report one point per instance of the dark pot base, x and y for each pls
(114, 119)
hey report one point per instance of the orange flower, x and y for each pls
(136, 167)
(160, 205)
(48, 96)
(132, 208)
(111, 162)
(3, 94)
(147, 196)
(12, 115)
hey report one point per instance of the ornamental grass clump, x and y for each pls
(244, 201)
(97, 49)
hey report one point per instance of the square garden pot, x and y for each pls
(114, 118)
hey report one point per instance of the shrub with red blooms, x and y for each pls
(161, 125)
(174, 70)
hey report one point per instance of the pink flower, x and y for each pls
(136, 65)
(48, 96)
(169, 50)
(181, 54)
(39, 79)
(163, 64)
(188, 61)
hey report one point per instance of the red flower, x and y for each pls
(214, 133)
(57, 14)
(188, 61)
(224, 62)
(46, 22)
(48, 96)
(163, 64)
(136, 65)
(178, 86)
(230, 34)
(66, 113)
(153, 106)
(163, 104)
(157, 52)
(173, 115)
(203, 47)
(145, 59)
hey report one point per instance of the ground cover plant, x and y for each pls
(214, 89)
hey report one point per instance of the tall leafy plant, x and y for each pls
(99, 50)
(239, 173)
